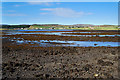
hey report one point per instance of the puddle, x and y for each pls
(85, 43)
(67, 43)
(46, 30)
(55, 33)
(60, 43)
(3, 37)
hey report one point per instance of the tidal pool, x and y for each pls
(57, 42)
(68, 43)
(13, 32)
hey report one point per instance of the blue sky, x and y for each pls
(60, 12)
(60, 0)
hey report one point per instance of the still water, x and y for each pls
(57, 42)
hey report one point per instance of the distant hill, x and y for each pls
(15, 26)
(57, 26)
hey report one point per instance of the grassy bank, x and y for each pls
(80, 28)
(99, 28)
(67, 27)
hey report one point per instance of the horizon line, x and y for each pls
(57, 24)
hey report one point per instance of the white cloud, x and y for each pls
(58, 3)
(40, 3)
(43, 13)
(11, 11)
(1, 7)
(43, 3)
(49, 9)
(17, 5)
(89, 13)
(14, 15)
(65, 12)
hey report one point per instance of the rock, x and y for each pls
(100, 61)
(38, 75)
(5, 64)
(107, 63)
(116, 58)
(87, 67)
(12, 63)
(113, 53)
(12, 70)
(103, 63)
(95, 44)
(96, 75)
(108, 75)
(17, 64)
(46, 75)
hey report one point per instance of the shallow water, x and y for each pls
(85, 43)
(47, 30)
(69, 43)
(13, 32)
(63, 43)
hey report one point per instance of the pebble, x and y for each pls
(96, 75)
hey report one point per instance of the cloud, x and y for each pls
(14, 15)
(43, 13)
(65, 12)
(44, 0)
(17, 5)
(48, 9)
(58, 3)
(44, 3)
(1, 7)
(89, 14)
(40, 3)
(11, 11)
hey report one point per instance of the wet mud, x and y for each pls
(27, 61)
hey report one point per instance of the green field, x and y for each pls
(84, 28)
(46, 27)
(99, 28)
(62, 27)
(43, 27)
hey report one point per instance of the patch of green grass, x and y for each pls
(43, 27)
(98, 28)
(107, 28)
(84, 28)
(5, 29)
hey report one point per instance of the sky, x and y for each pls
(60, 0)
(66, 13)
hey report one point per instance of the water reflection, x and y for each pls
(54, 33)
(67, 43)
(59, 43)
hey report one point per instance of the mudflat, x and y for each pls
(26, 60)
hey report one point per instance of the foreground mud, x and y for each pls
(25, 61)
(60, 62)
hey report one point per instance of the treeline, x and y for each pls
(15, 26)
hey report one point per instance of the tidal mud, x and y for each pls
(31, 61)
